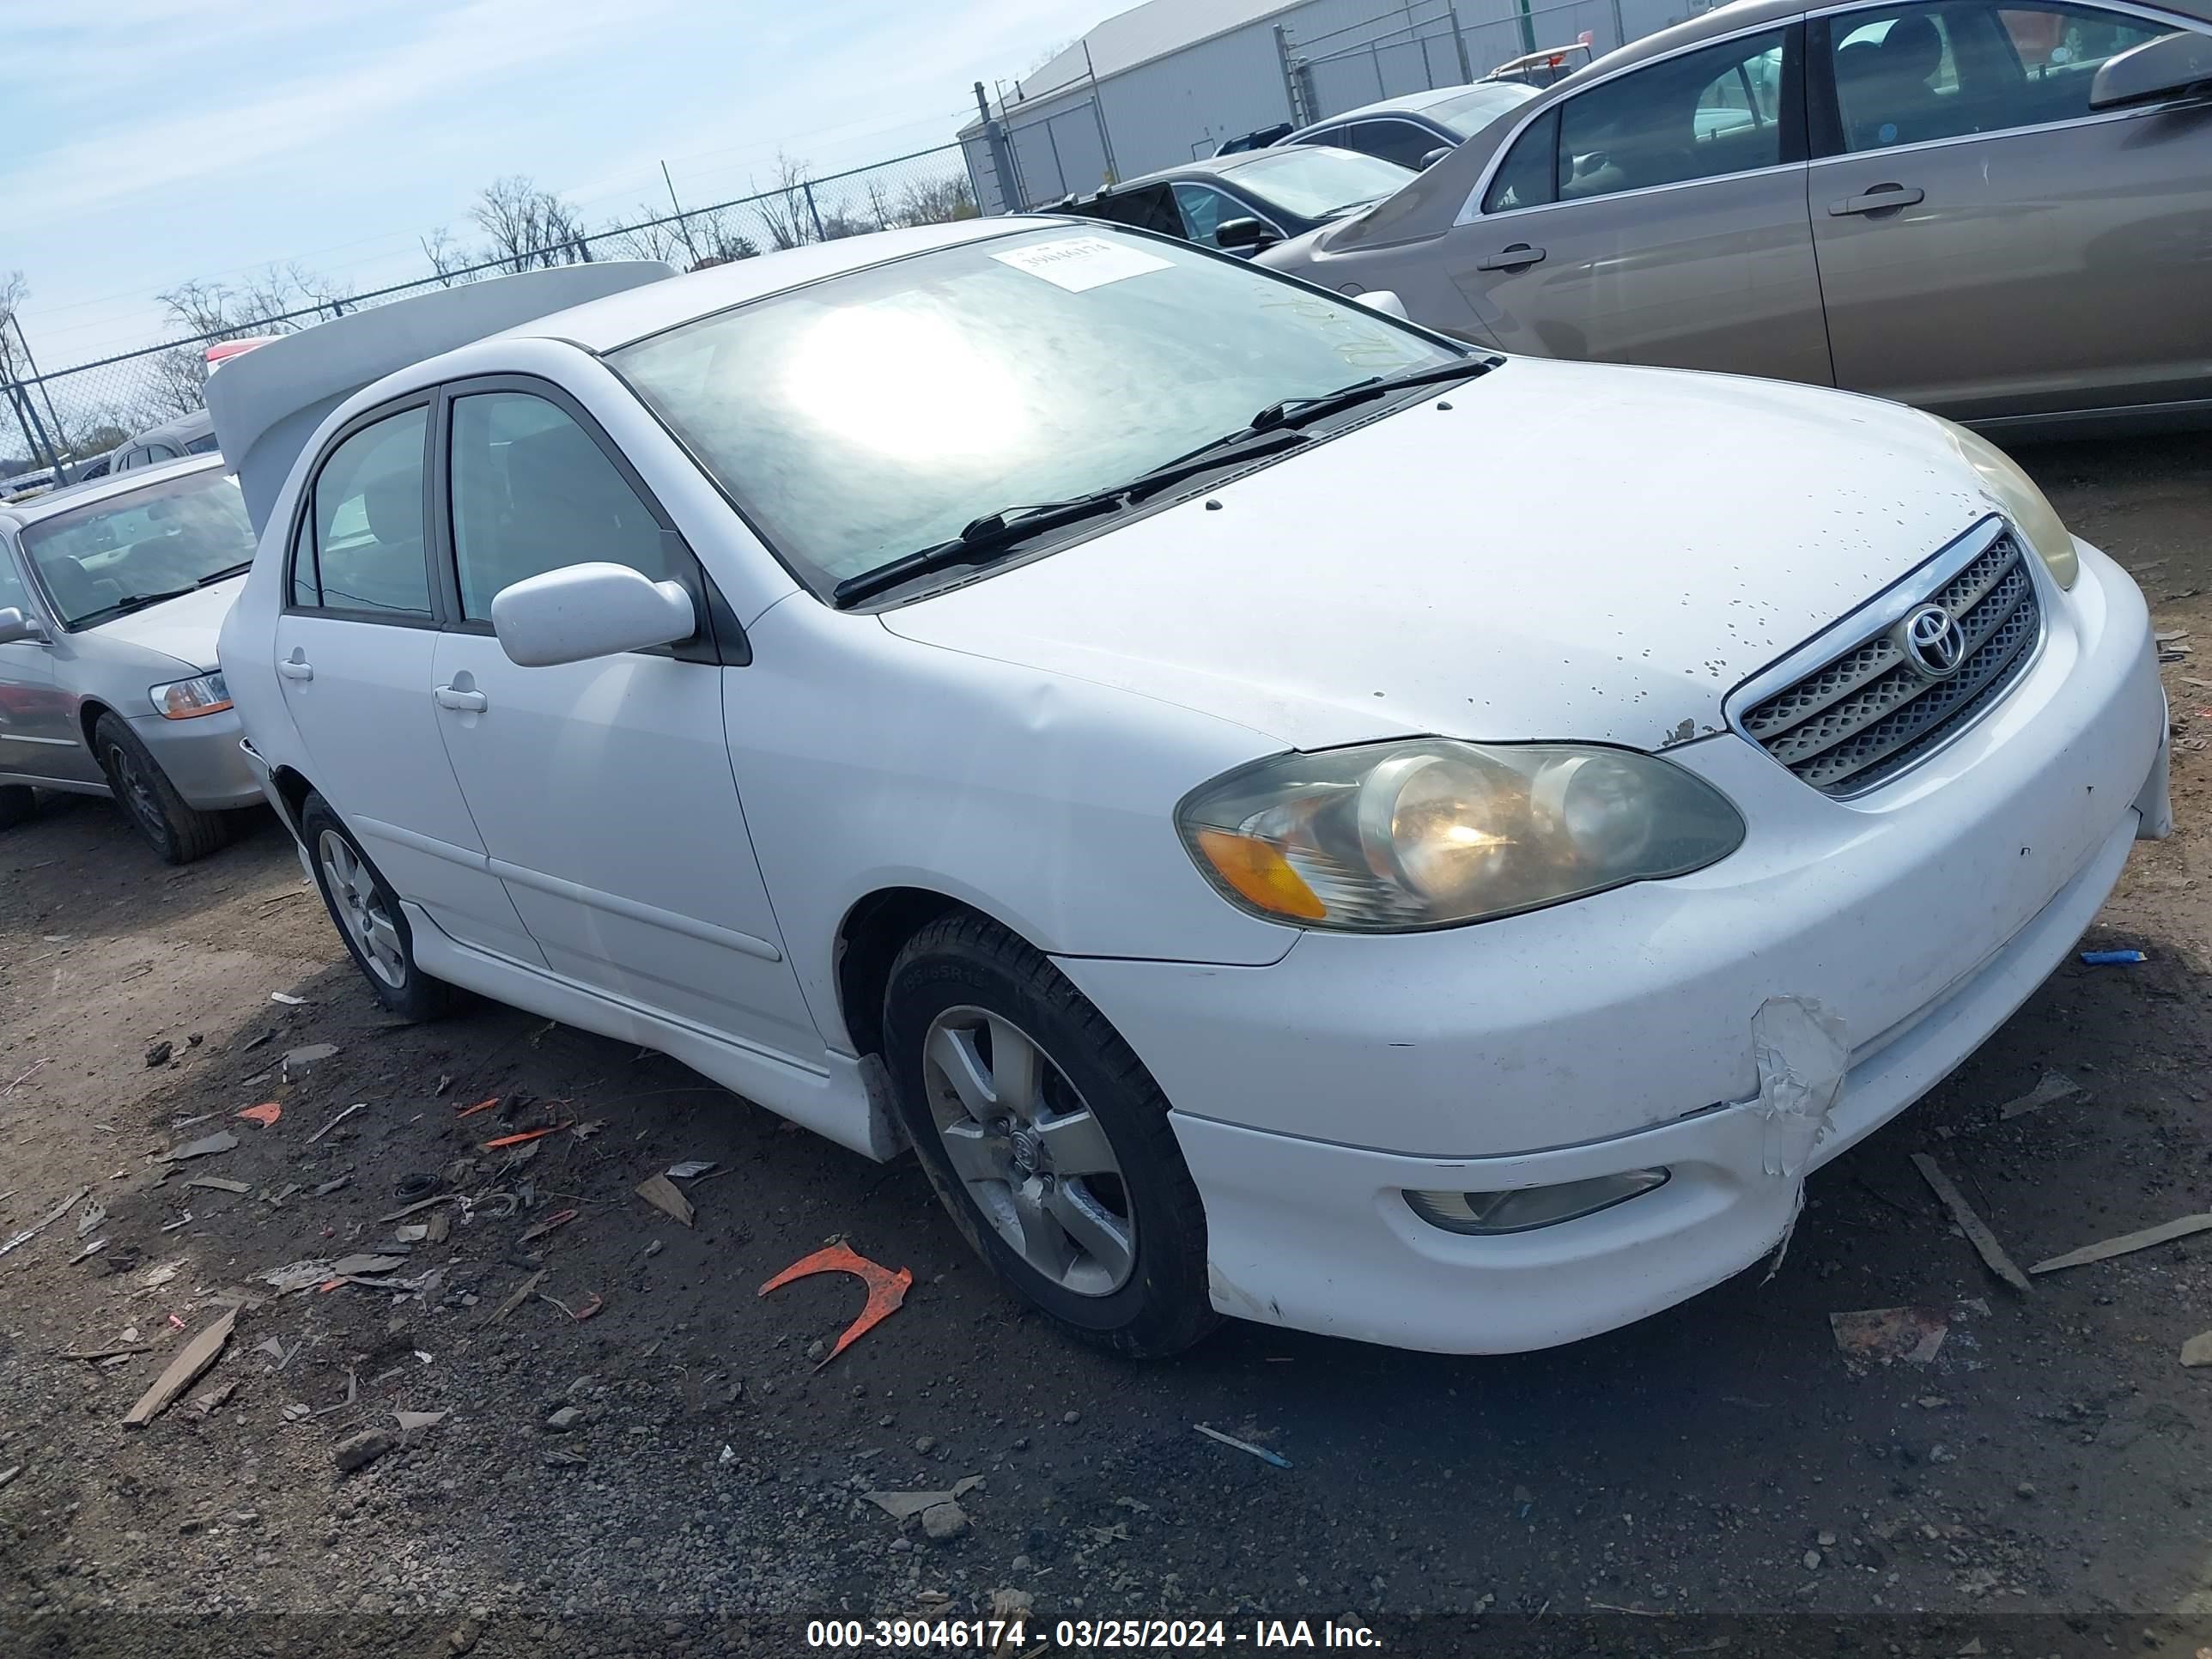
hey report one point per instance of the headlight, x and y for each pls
(1389, 837)
(186, 700)
(2031, 514)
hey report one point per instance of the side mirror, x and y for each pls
(1239, 235)
(1383, 300)
(2171, 66)
(585, 611)
(15, 627)
(1435, 157)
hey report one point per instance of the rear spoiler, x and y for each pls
(267, 402)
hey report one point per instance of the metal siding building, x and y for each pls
(1172, 79)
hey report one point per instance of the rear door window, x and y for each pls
(1401, 141)
(1703, 115)
(367, 546)
(1529, 175)
(1917, 73)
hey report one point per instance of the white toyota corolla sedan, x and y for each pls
(1289, 817)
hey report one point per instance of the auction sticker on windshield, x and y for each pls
(1077, 262)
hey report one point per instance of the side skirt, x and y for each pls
(834, 1099)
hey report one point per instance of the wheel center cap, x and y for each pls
(1029, 1151)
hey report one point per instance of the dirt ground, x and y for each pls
(1722, 1475)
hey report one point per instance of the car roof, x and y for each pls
(94, 489)
(621, 319)
(198, 424)
(1408, 103)
(1215, 165)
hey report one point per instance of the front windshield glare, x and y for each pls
(97, 558)
(1315, 181)
(880, 412)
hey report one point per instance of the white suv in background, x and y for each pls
(1148, 735)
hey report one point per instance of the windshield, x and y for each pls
(881, 412)
(158, 539)
(1477, 107)
(1317, 182)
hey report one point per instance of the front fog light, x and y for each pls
(1524, 1208)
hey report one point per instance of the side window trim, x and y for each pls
(722, 638)
(303, 512)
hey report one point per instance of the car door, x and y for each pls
(603, 788)
(1988, 243)
(356, 647)
(39, 738)
(1657, 217)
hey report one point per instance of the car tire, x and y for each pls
(368, 914)
(150, 803)
(1056, 1159)
(19, 804)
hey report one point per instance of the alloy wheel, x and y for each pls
(136, 790)
(1030, 1152)
(361, 910)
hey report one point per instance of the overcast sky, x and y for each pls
(145, 143)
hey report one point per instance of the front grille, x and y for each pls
(1862, 718)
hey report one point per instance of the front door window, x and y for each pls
(1917, 73)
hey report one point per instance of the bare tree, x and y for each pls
(935, 202)
(448, 259)
(530, 228)
(650, 237)
(784, 209)
(14, 290)
(276, 301)
(280, 299)
(176, 384)
(718, 239)
(879, 204)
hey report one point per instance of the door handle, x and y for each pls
(296, 667)
(468, 702)
(1879, 199)
(1513, 258)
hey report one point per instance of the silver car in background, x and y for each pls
(1417, 129)
(111, 596)
(1999, 212)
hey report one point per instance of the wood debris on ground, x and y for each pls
(1976, 1230)
(2126, 1243)
(183, 1371)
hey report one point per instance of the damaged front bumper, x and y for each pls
(1736, 1028)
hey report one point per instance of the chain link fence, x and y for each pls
(1425, 44)
(72, 414)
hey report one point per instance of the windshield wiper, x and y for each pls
(1298, 411)
(994, 532)
(124, 607)
(224, 575)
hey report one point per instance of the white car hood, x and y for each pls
(184, 627)
(1573, 551)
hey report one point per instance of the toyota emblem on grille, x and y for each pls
(1933, 642)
